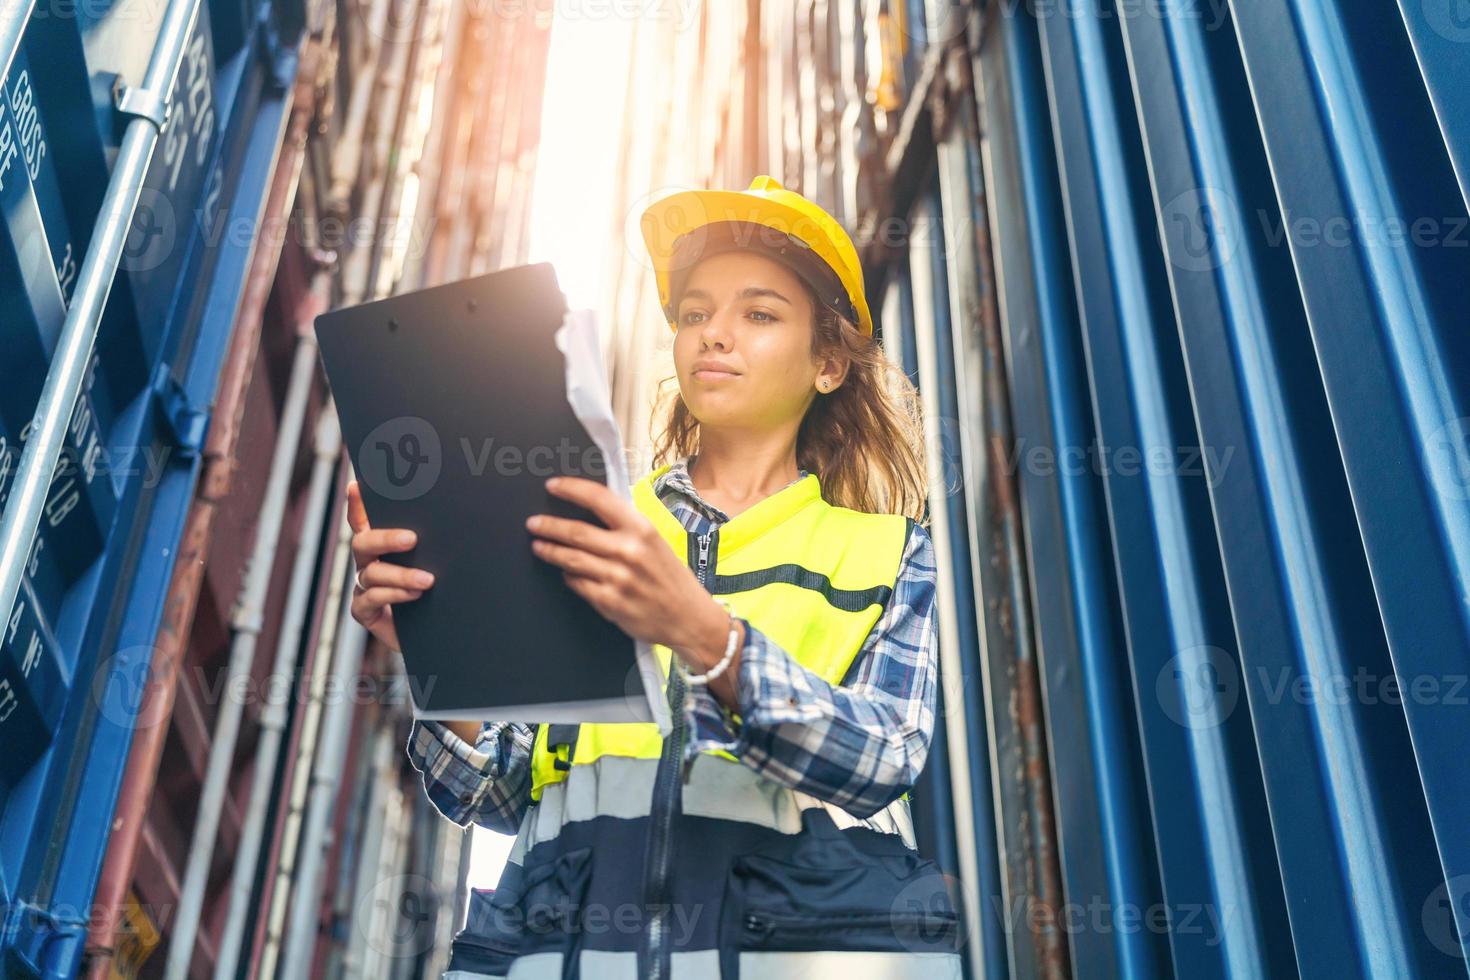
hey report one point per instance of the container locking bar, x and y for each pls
(64, 380)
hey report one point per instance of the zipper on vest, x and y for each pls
(701, 565)
(666, 786)
(924, 925)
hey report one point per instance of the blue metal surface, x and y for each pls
(82, 129)
(182, 276)
(22, 106)
(44, 575)
(933, 798)
(1203, 779)
(79, 505)
(1440, 33)
(1353, 145)
(1107, 851)
(1241, 232)
(966, 691)
(32, 686)
(1231, 254)
(1352, 886)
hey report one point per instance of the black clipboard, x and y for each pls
(454, 410)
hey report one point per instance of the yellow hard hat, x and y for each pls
(687, 226)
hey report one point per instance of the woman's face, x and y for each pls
(751, 315)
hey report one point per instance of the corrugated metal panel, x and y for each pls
(1106, 844)
(1183, 288)
(133, 430)
(134, 785)
(1275, 389)
(305, 867)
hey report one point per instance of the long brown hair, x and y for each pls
(864, 441)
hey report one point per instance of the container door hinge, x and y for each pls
(188, 423)
(40, 942)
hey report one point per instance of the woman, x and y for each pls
(777, 561)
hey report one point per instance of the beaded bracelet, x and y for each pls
(724, 663)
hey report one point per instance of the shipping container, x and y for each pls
(112, 342)
(1182, 286)
(184, 791)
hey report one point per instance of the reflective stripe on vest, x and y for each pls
(812, 577)
(715, 788)
(837, 964)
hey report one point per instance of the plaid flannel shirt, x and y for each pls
(860, 744)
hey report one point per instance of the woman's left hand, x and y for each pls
(626, 570)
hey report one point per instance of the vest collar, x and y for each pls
(745, 526)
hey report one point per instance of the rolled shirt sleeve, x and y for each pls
(487, 784)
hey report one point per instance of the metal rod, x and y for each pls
(12, 30)
(248, 619)
(64, 380)
(213, 486)
(327, 648)
(970, 842)
(366, 931)
(326, 775)
(390, 196)
(328, 447)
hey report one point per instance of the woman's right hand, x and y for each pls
(386, 583)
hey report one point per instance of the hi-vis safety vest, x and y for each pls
(632, 865)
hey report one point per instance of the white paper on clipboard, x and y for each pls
(591, 402)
